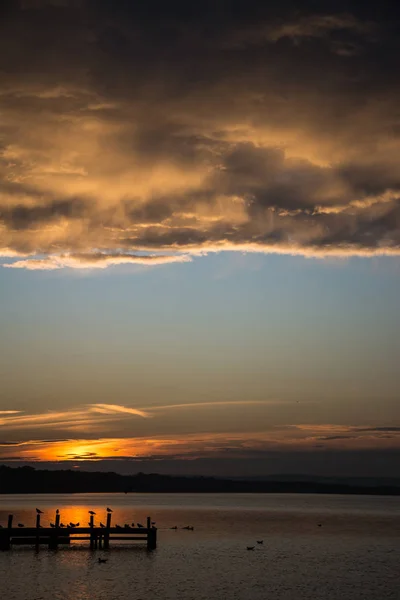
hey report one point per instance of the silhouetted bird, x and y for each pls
(62, 525)
(108, 510)
(250, 547)
(127, 526)
(57, 512)
(319, 525)
(20, 525)
(101, 525)
(140, 525)
(39, 512)
(77, 524)
(91, 512)
(118, 527)
(260, 541)
(153, 522)
(175, 527)
(132, 524)
(52, 525)
(103, 560)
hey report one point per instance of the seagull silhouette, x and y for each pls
(20, 525)
(108, 510)
(260, 541)
(91, 512)
(57, 512)
(101, 525)
(39, 512)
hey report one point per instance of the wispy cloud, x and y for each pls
(98, 260)
(112, 409)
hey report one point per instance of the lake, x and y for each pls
(314, 547)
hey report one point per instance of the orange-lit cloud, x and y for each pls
(112, 156)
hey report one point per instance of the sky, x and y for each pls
(200, 236)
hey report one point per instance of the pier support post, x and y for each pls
(152, 538)
(92, 536)
(37, 531)
(107, 532)
(53, 542)
(5, 535)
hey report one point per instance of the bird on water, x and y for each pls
(260, 541)
(102, 560)
(250, 547)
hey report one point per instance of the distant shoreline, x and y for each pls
(28, 480)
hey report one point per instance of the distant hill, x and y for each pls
(28, 480)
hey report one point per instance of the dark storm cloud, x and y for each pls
(198, 127)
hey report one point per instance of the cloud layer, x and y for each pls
(107, 432)
(147, 140)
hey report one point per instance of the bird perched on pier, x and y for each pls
(77, 524)
(175, 527)
(57, 512)
(38, 511)
(52, 525)
(102, 525)
(140, 525)
(132, 524)
(118, 527)
(127, 526)
(20, 525)
(62, 525)
(91, 512)
(108, 510)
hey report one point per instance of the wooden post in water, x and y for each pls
(37, 530)
(152, 539)
(54, 534)
(5, 535)
(151, 536)
(107, 532)
(91, 525)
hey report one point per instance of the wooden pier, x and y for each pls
(58, 535)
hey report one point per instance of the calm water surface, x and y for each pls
(353, 554)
